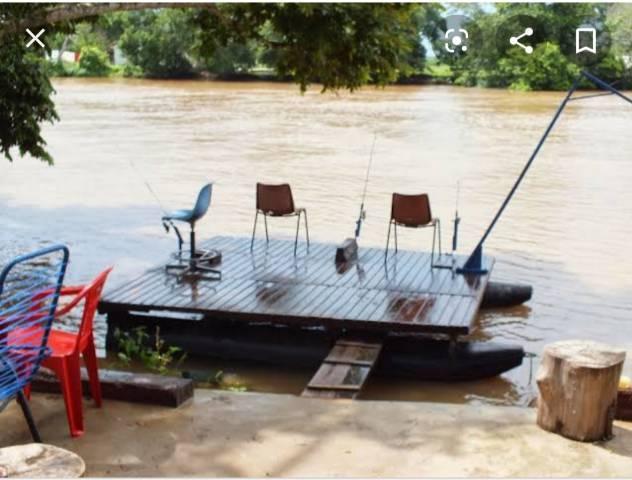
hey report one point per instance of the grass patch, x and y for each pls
(440, 71)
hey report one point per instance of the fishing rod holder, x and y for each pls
(455, 240)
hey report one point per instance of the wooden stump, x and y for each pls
(578, 383)
(37, 460)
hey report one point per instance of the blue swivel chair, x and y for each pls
(196, 262)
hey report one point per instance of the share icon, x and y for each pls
(516, 40)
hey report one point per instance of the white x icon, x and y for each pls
(35, 38)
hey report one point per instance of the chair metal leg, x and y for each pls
(28, 416)
(298, 224)
(434, 237)
(388, 240)
(439, 227)
(395, 231)
(192, 247)
(254, 230)
(180, 241)
(306, 228)
(265, 222)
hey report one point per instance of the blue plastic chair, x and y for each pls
(30, 286)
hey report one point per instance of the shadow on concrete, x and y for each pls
(621, 444)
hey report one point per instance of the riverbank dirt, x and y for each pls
(245, 434)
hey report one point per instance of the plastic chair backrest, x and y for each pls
(30, 286)
(411, 210)
(203, 202)
(91, 294)
(275, 200)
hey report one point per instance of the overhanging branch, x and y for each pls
(72, 12)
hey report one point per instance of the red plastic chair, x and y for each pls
(67, 347)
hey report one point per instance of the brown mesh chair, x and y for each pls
(413, 211)
(277, 201)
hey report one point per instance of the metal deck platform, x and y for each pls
(270, 284)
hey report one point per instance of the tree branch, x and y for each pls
(70, 12)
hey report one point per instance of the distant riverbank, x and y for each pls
(434, 73)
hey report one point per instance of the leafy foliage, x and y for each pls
(132, 346)
(218, 379)
(159, 41)
(233, 58)
(93, 62)
(339, 45)
(545, 69)
(620, 23)
(25, 101)
(553, 64)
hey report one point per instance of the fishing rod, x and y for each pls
(348, 250)
(167, 224)
(147, 184)
(362, 214)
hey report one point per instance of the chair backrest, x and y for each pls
(30, 286)
(91, 294)
(275, 200)
(411, 210)
(203, 202)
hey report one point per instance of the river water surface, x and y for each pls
(567, 232)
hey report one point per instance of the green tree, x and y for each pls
(546, 69)
(93, 62)
(233, 58)
(88, 35)
(620, 22)
(25, 90)
(339, 45)
(159, 42)
(25, 101)
(425, 19)
(552, 66)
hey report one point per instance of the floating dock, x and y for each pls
(269, 284)
(343, 320)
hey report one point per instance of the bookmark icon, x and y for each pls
(581, 36)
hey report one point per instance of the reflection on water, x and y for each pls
(565, 232)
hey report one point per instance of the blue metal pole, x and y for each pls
(600, 83)
(474, 262)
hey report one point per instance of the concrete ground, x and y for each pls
(248, 434)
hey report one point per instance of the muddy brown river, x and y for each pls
(567, 232)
